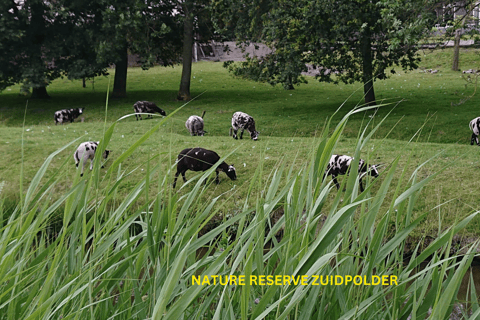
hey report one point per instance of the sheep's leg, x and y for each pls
(334, 178)
(474, 138)
(175, 179)
(84, 162)
(217, 181)
(235, 134)
(360, 182)
(241, 133)
(91, 164)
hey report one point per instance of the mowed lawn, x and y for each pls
(422, 106)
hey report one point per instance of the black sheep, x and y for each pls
(199, 159)
(146, 107)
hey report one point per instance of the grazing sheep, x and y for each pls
(146, 107)
(85, 151)
(475, 127)
(339, 165)
(67, 115)
(194, 124)
(241, 120)
(199, 159)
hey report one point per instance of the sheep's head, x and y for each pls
(254, 135)
(80, 110)
(105, 154)
(373, 171)
(231, 173)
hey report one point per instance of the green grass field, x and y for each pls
(289, 122)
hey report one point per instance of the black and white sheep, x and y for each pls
(339, 165)
(195, 124)
(146, 107)
(85, 151)
(199, 159)
(241, 120)
(475, 127)
(66, 115)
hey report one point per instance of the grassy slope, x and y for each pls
(284, 118)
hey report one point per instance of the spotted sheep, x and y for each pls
(146, 107)
(85, 151)
(241, 120)
(66, 115)
(199, 159)
(339, 165)
(195, 124)
(475, 127)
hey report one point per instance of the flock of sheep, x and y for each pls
(200, 159)
(195, 159)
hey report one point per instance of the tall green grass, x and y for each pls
(113, 260)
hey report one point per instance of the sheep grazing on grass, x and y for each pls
(475, 127)
(66, 115)
(146, 107)
(339, 165)
(199, 159)
(241, 120)
(194, 124)
(86, 151)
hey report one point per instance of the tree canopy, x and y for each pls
(43, 40)
(345, 40)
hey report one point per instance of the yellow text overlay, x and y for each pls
(304, 280)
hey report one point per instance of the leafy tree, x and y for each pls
(188, 39)
(37, 41)
(150, 29)
(345, 40)
(196, 24)
(43, 40)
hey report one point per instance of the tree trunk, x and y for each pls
(40, 93)
(37, 35)
(456, 51)
(289, 84)
(120, 82)
(184, 92)
(84, 84)
(367, 61)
